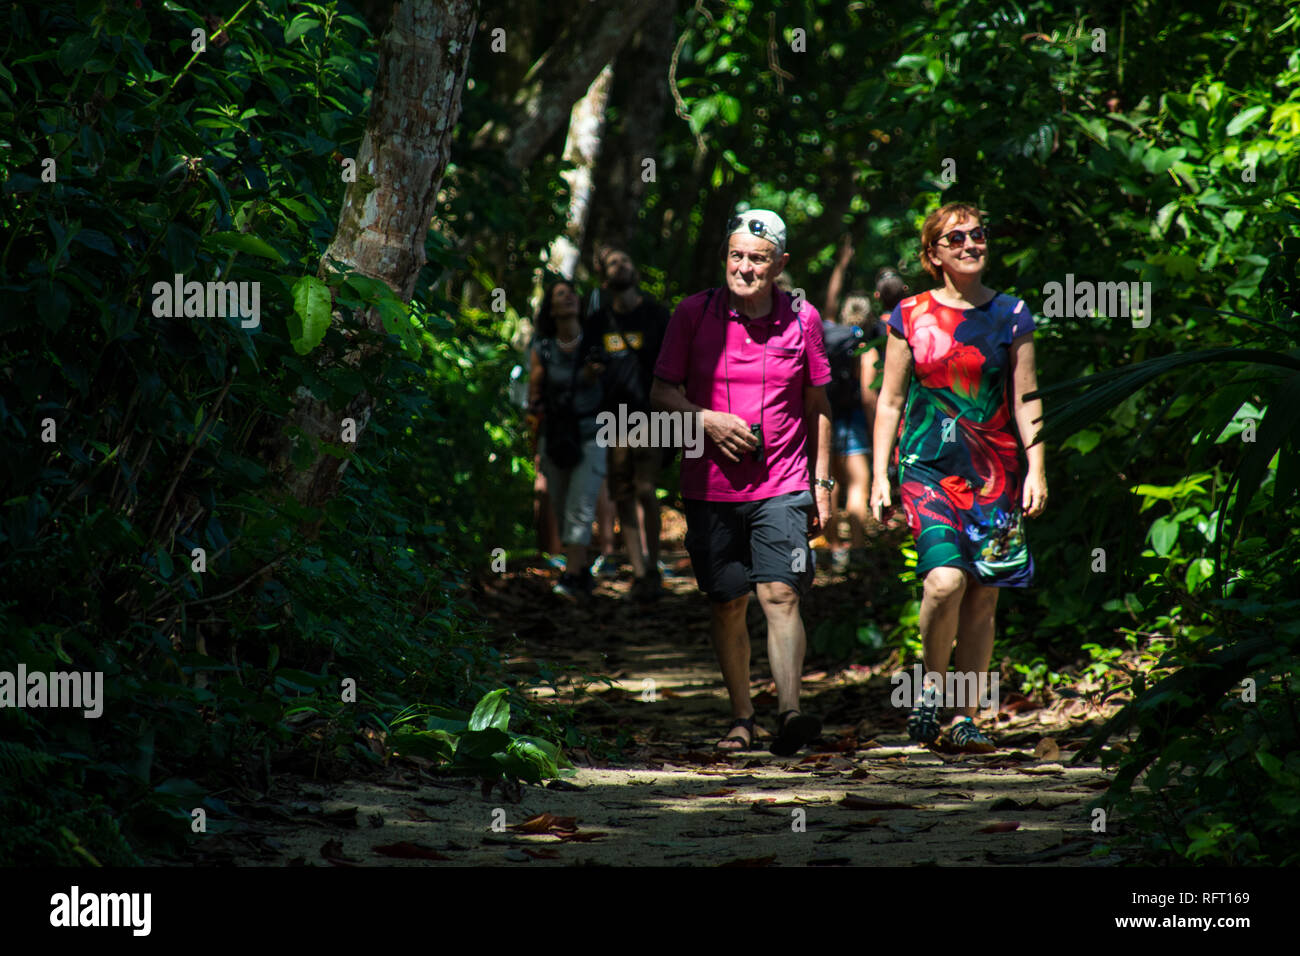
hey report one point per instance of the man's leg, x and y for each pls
(786, 641)
(621, 489)
(783, 563)
(731, 644)
(647, 483)
(714, 540)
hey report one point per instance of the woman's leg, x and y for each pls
(975, 636)
(859, 493)
(583, 492)
(941, 603)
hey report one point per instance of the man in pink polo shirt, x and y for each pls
(753, 367)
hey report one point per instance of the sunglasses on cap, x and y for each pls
(957, 237)
(757, 227)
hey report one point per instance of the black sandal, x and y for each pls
(748, 724)
(923, 722)
(967, 737)
(794, 731)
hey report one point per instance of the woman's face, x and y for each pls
(966, 259)
(564, 301)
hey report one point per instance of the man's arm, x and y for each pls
(729, 432)
(817, 420)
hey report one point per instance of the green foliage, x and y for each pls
(482, 743)
(221, 165)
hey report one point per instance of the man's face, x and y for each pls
(752, 265)
(620, 273)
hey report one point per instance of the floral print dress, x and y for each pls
(958, 455)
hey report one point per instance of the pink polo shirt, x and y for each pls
(754, 368)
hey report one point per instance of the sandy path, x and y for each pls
(862, 796)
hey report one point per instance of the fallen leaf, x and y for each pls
(544, 823)
(1006, 826)
(1047, 749)
(720, 792)
(1044, 768)
(405, 850)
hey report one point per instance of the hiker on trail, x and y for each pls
(753, 369)
(962, 483)
(630, 325)
(564, 396)
(853, 409)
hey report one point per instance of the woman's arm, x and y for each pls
(1025, 380)
(867, 378)
(889, 411)
(536, 382)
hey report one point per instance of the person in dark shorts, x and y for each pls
(630, 325)
(749, 361)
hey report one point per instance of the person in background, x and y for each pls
(853, 409)
(565, 395)
(749, 361)
(630, 327)
(969, 353)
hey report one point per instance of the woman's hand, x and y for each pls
(880, 502)
(1034, 497)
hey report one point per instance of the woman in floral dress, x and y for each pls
(960, 428)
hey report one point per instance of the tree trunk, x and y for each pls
(640, 95)
(562, 74)
(423, 59)
(586, 128)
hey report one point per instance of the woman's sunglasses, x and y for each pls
(958, 236)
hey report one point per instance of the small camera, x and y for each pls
(757, 431)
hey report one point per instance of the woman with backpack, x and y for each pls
(565, 395)
(853, 401)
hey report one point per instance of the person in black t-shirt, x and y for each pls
(630, 326)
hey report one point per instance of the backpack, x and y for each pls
(842, 347)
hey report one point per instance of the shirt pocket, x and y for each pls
(784, 364)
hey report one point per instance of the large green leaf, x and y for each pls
(311, 303)
(492, 711)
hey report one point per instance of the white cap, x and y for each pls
(759, 222)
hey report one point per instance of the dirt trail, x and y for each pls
(862, 795)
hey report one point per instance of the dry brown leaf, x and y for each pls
(545, 822)
(1047, 749)
(1006, 826)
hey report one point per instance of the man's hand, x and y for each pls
(592, 371)
(729, 432)
(821, 519)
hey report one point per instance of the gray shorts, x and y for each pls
(735, 545)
